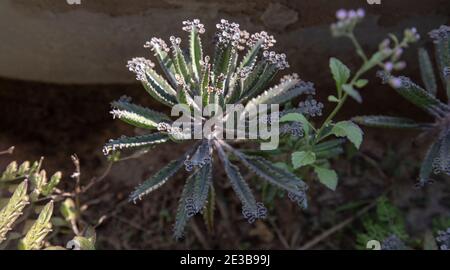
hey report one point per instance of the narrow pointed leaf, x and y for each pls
(185, 208)
(158, 179)
(137, 116)
(196, 52)
(13, 209)
(426, 169)
(34, 239)
(427, 72)
(388, 122)
(135, 142)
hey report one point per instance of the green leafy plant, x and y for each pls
(314, 146)
(437, 158)
(229, 79)
(32, 193)
(385, 225)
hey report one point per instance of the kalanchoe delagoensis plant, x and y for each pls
(437, 158)
(314, 146)
(193, 80)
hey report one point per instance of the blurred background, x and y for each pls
(61, 65)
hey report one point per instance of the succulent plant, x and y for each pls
(193, 81)
(437, 158)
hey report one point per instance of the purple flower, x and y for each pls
(388, 66)
(341, 14)
(361, 13)
(395, 82)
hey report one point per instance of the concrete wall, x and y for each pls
(51, 41)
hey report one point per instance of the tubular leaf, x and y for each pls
(158, 179)
(277, 176)
(239, 186)
(426, 71)
(185, 208)
(427, 164)
(196, 52)
(133, 142)
(137, 116)
(388, 122)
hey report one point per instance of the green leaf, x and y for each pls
(208, 212)
(297, 117)
(327, 177)
(80, 243)
(426, 168)
(361, 83)
(158, 179)
(418, 96)
(352, 92)
(277, 176)
(332, 98)
(388, 122)
(34, 239)
(134, 142)
(303, 158)
(13, 209)
(159, 88)
(202, 183)
(184, 213)
(376, 59)
(68, 210)
(279, 94)
(341, 73)
(50, 186)
(350, 130)
(250, 58)
(427, 72)
(137, 115)
(196, 52)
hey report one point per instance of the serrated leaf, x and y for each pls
(443, 162)
(134, 142)
(158, 179)
(303, 158)
(426, 168)
(418, 96)
(184, 211)
(352, 92)
(34, 239)
(241, 188)
(251, 56)
(340, 72)
(350, 130)
(327, 177)
(137, 115)
(202, 183)
(277, 176)
(208, 213)
(442, 49)
(13, 209)
(271, 94)
(388, 122)
(427, 72)
(180, 64)
(196, 52)
(158, 88)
